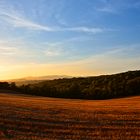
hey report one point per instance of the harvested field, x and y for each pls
(39, 118)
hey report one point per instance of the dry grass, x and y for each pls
(39, 118)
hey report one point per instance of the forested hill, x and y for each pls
(98, 87)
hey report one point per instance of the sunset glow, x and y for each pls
(68, 37)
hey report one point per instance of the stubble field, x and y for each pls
(39, 118)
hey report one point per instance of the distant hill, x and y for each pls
(34, 80)
(97, 87)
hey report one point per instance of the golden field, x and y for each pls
(25, 117)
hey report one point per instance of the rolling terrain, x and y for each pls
(97, 87)
(35, 80)
(24, 117)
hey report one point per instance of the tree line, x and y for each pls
(97, 87)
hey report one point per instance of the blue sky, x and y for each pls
(71, 37)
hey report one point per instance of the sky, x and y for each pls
(68, 37)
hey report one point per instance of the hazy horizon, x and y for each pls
(74, 38)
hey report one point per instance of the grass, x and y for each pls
(39, 118)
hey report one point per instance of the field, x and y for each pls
(39, 118)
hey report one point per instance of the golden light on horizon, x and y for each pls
(21, 71)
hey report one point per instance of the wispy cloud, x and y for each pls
(53, 49)
(120, 52)
(107, 10)
(69, 40)
(17, 21)
(83, 29)
(104, 63)
(14, 49)
(61, 47)
(115, 7)
(20, 22)
(52, 52)
(8, 48)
